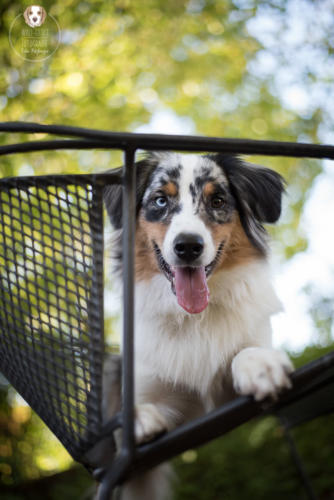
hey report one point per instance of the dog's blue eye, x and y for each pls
(161, 201)
(217, 202)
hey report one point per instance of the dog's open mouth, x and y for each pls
(189, 283)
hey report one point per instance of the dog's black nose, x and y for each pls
(188, 247)
(34, 19)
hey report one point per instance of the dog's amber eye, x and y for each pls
(161, 201)
(217, 201)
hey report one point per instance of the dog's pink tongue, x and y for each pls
(191, 288)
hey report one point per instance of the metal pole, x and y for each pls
(129, 228)
(114, 475)
(305, 480)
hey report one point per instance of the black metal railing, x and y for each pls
(55, 363)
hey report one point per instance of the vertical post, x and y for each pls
(129, 227)
(96, 312)
(305, 480)
(124, 459)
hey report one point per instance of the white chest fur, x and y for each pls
(186, 349)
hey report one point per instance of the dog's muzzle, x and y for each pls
(188, 280)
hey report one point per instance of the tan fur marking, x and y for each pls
(146, 265)
(208, 189)
(170, 189)
(43, 14)
(238, 250)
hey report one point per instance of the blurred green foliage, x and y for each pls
(27, 449)
(118, 65)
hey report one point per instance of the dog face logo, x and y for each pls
(34, 16)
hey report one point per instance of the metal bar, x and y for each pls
(29, 147)
(299, 464)
(129, 228)
(115, 474)
(217, 423)
(197, 432)
(113, 477)
(63, 180)
(151, 142)
(320, 368)
(96, 309)
(228, 417)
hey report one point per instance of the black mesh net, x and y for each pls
(51, 301)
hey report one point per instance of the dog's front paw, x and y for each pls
(261, 372)
(149, 422)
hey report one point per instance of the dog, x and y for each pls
(34, 16)
(203, 292)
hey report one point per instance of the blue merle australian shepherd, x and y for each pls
(203, 292)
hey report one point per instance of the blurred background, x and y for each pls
(245, 69)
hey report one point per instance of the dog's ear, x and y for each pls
(258, 194)
(113, 194)
(43, 15)
(26, 15)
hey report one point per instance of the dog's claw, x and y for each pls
(261, 372)
(149, 423)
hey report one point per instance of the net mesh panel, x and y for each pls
(51, 305)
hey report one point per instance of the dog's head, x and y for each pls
(197, 215)
(34, 16)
